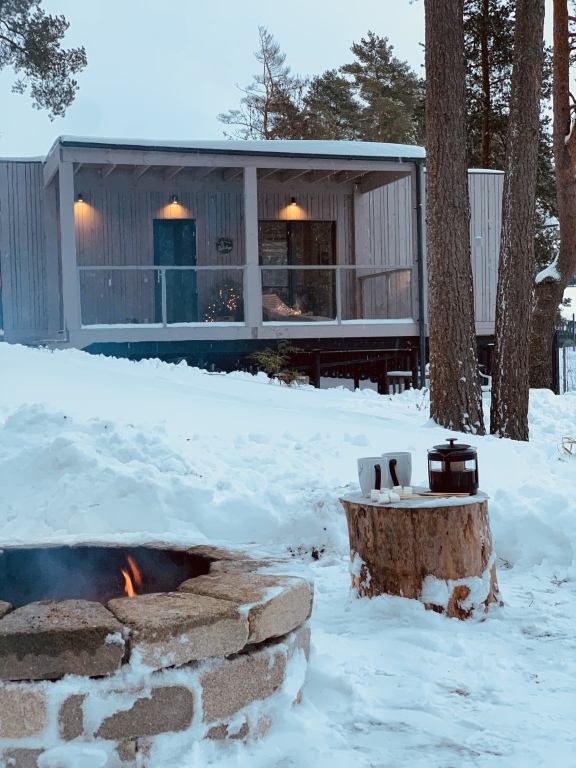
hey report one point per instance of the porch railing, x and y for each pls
(169, 295)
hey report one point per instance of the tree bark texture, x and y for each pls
(486, 90)
(510, 368)
(456, 400)
(550, 288)
(441, 555)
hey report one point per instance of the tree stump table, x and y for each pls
(436, 550)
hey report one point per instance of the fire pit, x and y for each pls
(107, 648)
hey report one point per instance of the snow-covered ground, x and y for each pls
(98, 447)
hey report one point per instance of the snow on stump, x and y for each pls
(438, 551)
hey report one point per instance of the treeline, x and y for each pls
(378, 97)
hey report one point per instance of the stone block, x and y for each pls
(235, 683)
(275, 604)
(240, 566)
(47, 640)
(23, 712)
(126, 750)
(174, 628)
(212, 554)
(5, 608)
(71, 717)
(162, 710)
(20, 758)
(247, 730)
(221, 732)
(299, 640)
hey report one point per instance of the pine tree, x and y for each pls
(332, 110)
(456, 398)
(489, 45)
(272, 106)
(509, 407)
(377, 97)
(30, 44)
(389, 91)
(551, 284)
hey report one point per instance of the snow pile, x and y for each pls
(93, 447)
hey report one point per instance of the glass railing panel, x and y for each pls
(376, 293)
(120, 296)
(294, 295)
(204, 296)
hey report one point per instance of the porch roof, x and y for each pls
(357, 150)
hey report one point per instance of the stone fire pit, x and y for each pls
(214, 643)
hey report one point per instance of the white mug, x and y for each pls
(398, 468)
(372, 473)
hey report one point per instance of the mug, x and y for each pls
(398, 467)
(372, 473)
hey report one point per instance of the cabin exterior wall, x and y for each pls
(114, 227)
(30, 301)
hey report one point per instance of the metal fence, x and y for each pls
(565, 354)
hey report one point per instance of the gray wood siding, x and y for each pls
(114, 226)
(485, 224)
(23, 253)
(389, 244)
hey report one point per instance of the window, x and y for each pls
(299, 292)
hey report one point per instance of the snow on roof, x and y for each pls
(39, 159)
(367, 150)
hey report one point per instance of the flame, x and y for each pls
(130, 580)
(128, 586)
(135, 571)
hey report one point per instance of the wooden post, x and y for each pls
(70, 283)
(252, 282)
(429, 550)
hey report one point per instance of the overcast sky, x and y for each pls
(165, 70)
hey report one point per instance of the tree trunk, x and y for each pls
(456, 398)
(510, 369)
(486, 91)
(551, 282)
(439, 555)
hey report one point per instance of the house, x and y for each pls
(210, 250)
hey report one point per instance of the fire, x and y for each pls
(131, 580)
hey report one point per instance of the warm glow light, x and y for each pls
(135, 571)
(130, 580)
(293, 201)
(79, 197)
(128, 586)
(174, 199)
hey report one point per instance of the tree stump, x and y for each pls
(438, 551)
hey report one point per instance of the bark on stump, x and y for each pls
(438, 553)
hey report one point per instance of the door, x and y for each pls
(175, 246)
(306, 244)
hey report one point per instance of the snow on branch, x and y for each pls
(549, 272)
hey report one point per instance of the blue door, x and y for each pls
(175, 246)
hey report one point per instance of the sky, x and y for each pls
(166, 75)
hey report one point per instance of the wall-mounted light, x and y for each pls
(174, 199)
(292, 201)
(79, 197)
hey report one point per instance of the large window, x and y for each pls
(294, 288)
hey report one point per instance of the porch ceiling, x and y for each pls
(365, 179)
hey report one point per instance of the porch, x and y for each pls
(227, 241)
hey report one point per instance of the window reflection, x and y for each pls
(293, 294)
